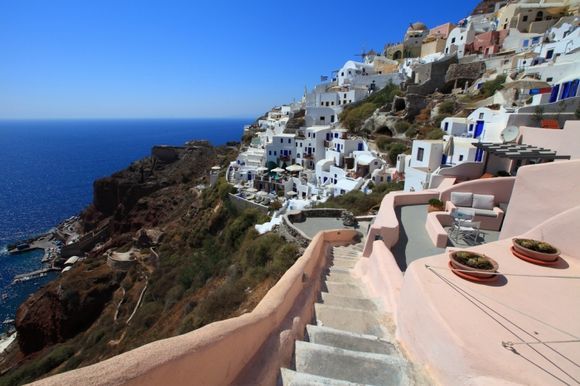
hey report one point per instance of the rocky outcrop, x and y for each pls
(63, 309)
(460, 73)
(431, 76)
(485, 6)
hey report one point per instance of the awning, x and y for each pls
(515, 151)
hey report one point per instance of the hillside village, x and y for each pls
(445, 96)
(424, 217)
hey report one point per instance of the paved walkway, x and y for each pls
(414, 242)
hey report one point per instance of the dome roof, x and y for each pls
(417, 26)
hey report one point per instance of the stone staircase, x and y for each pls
(351, 344)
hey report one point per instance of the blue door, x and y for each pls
(360, 146)
(478, 129)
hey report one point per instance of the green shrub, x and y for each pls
(436, 202)
(384, 143)
(435, 134)
(394, 150)
(38, 367)
(438, 119)
(359, 203)
(353, 118)
(447, 107)
(492, 86)
(411, 132)
(402, 126)
(354, 115)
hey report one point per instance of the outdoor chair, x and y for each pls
(468, 230)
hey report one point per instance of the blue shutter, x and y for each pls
(554, 94)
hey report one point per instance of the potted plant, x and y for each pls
(473, 264)
(435, 205)
(535, 249)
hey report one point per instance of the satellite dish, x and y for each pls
(510, 134)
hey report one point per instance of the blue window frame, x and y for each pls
(554, 94)
(526, 43)
(565, 90)
(573, 88)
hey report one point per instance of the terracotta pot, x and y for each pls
(475, 272)
(535, 254)
(432, 208)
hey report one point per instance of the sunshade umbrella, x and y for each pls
(261, 193)
(252, 190)
(278, 170)
(215, 168)
(262, 169)
(292, 193)
(294, 168)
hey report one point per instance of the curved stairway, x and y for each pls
(350, 343)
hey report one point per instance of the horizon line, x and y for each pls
(116, 118)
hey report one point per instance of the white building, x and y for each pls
(567, 44)
(424, 160)
(458, 38)
(321, 116)
(341, 145)
(521, 41)
(310, 148)
(282, 149)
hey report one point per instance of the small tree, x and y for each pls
(394, 151)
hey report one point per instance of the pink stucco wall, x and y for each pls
(382, 276)
(500, 187)
(456, 336)
(386, 224)
(438, 321)
(541, 192)
(564, 142)
(252, 346)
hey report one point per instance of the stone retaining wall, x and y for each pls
(300, 216)
(241, 203)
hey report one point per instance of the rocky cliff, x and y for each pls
(201, 261)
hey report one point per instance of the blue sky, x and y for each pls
(174, 58)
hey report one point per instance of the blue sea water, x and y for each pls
(47, 169)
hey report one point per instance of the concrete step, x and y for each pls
(349, 341)
(352, 366)
(343, 301)
(341, 277)
(293, 378)
(342, 289)
(341, 262)
(348, 319)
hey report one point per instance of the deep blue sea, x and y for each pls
(47, 169)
